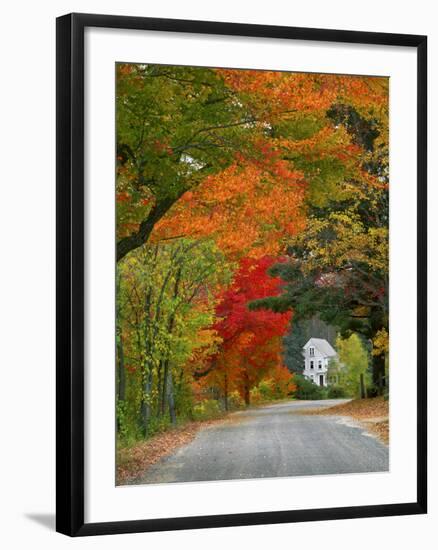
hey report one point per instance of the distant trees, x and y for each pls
(293, 343)
(299, 332)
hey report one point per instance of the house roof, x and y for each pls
(322, 345)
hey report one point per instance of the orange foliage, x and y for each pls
(248, 209)
(273, 92)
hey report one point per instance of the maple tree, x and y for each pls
(251, 343)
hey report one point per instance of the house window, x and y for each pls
(311, 364)
(311, 352)
(319, 364)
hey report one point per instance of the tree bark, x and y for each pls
(362, 386)
(379, 381)
(164, 390)
(145, 401)
(170, 397)
(121, 375)
(121, 368)
(160, 389)
(137, 239)
(226, 392)
(247, 395)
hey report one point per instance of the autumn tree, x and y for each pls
(251, 343)
(175, 126)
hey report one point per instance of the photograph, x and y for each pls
(252, 274)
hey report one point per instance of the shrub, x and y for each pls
(158, 424)
(235, 401)
(255, 396)
(206, 410)
(335, 392)
(306, 389)
(282, 382)
(266, 389)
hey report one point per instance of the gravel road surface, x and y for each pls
(274, 441)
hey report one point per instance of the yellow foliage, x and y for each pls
(381, 343)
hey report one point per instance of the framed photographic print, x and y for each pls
(241, 274)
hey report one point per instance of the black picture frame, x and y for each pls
(70, 273)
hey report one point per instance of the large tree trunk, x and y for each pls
(137, 239)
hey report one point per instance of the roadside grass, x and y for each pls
(372, 414)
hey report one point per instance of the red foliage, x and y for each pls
(251, 339)
(251, 283)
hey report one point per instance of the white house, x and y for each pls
(317, 354)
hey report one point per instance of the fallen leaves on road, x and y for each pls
(132, 461)
(373, 413)
(380, 428)
(373, 407)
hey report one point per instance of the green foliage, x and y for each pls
(293, 344)
(327, 175)
(354, 362)
(167, 298)
(306, 389)
(267, 389)
(207, 410)
(364, 131)
(122, 421)
(336, 392)
(299, 127)
(163, 114)
(184, 401)
(158, 424)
